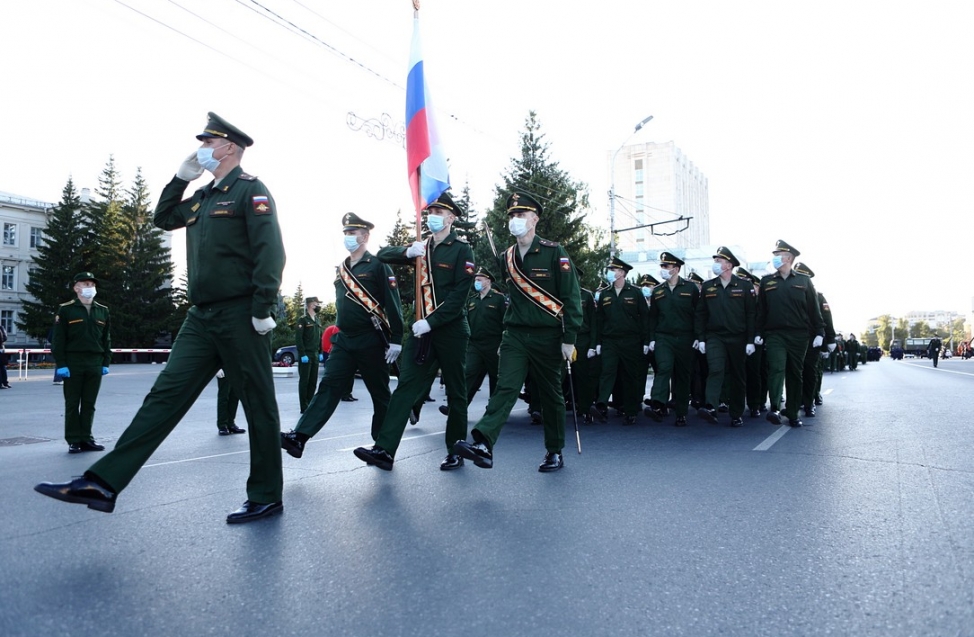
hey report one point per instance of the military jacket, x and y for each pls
(671, 311)
(307, 336)
(826, 319)
(234, 248)
(80, 331)
(551, 272)
(486, 317)
(452, 268)
(588, 314)
(788, 304)
(725, 310)
(376, 277)
(622, 314)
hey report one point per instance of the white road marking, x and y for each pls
(773, 438)
(939, 369)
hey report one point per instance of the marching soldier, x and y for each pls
(788, 312)
(724, 325)
(646, 283)
(671, 312)
(541, 326)
(445, 271)
(369, 320)
(815, 357)
(81, 346)
(622, 320)
(226, 407)
(586, 368)
(756, 368)
(307, 336)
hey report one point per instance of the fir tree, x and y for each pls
(403, 234)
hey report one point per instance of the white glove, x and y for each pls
(702, 347)
(567, 349)
(696, 345)
(825, 354)
(219, 373)
(190, 169)
(598, 350)
(831, 347)
(749, 349)
(758, 340)
(652, 346)
(591, 353)
(264, 325)
(645, 349)
(420, 327)
(817, 341)
(418, 249)
(393, 353)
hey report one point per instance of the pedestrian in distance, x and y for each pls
(226, 407)
(307, 340)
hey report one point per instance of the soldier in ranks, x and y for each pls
(698, 373)
(671, 312)
(755, 367)
(815, 357)
(369, 321)
(307, 338)
(724, 326)
(622, 320)
(646, 285)
(788, 312)
(586, 368)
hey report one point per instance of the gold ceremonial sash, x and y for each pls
(523, 282)
(425, 275)
(360, 295)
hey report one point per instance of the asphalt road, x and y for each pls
(858, 524)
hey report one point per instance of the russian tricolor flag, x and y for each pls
(428, 172)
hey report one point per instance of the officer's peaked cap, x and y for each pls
(216, 126)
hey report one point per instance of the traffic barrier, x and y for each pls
(24, 356)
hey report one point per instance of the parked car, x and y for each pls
(286, 355)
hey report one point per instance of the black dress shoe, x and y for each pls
(629, 420)
(553, 461)
(737, 422)
(293, 445)
(413, 416)
(755, 413)
(376, 456)
(795, 422)
(90, 445)
(236, 430)
(655, 413)
(587, 419)
(723, 408)
(349, 399)
(223, 431)
(453, 461)
(74, 447)
(599, 413)
(251, 511)
(476, 452)
(774, 417)
(536, 418)
(81, 490)
(428, 399)
(709, 415)
(818, 400)
(681, 421)
(444, 409)
(809, 411)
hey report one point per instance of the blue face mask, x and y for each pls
(777, 261)
(351, 242)
(610, 276)
(435, 223)
(477, 285)
(717, 269)
(597, 295)
(647, 292)
(205, 158)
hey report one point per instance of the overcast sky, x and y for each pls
(845, 128)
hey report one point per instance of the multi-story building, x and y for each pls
(22, 221)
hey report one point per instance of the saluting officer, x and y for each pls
(307, 337)
(671, 312)
(369, 320)
(445, 271)
(81, 345)
(724, 325)
(541, 325)
(622, 320)
(235, 259)
(815, 357)
(788, 312)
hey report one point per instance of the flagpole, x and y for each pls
(417, 286)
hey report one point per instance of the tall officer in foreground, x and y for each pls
(235, 259)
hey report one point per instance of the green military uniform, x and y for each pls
(357, 346)
(724, 321)
(585, 369)
(852, 347)
(235, 260)
(226, 407)
(815, 357)
(81, 342)
(933, 350)
(307, 338)
(788, 311)
(622, 322)
(451, 269)
(646, 285)
(533, 336)
(755, 367)
(671, 312)
(485, 316)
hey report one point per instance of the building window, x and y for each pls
(36, 237)
(7, 320)
(10, 234)
(8, 278)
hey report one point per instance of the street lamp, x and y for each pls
(612, 188)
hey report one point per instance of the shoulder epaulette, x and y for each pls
(67, 303)
(550, 244)
(100, 304)
(247, 177)
(462, 239)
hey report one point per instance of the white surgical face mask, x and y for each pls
(717, 268)
(664, 274)
(518, 226)
(777, 261)
(351, 242)
(88, 293)
(435, 223)
(205, 157)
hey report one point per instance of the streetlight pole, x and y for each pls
(612, 188)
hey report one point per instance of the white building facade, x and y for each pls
(22, 222)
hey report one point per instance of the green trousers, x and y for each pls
(786, 358)
(674, 361)
(226, 404)
(212, 337)
(307, 380)
(726, 361)
(756, 368)
(586, 373)
(523, 350)
(481, 362)
(364, 353)
(622, 357)
(80, 392)
(448, 345)
(812, 367)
